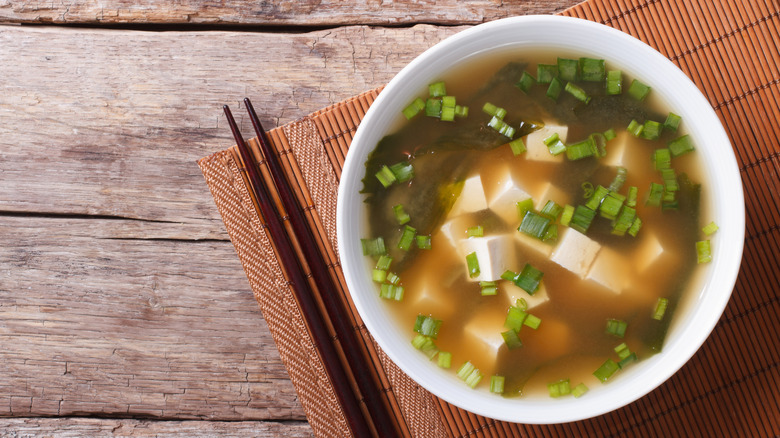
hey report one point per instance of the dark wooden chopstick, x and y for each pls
(345, 332)
(338, 376)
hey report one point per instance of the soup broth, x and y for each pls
(589, 278)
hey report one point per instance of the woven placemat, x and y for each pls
(731, 50)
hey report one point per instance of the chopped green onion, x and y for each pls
(423, 241)
(568, 69)
(592, 70)
(651, 130)
(529, 279)
(386, 176)
(568, 212)
(703, 251)
(555, 88)
(402, 171)
(497, 384)
(475, 231)
(393, 278)
(710, 228)
(532, 321)
(524, 207)
(534, 224)
(635, 227)
(606, 370)
(515, 317)
(672, 122)
(400, 215)
(517, 146)
(624, 221)
(662, 159)
(559, 388)
(551, 210)
(578, 391)
(551, 233)
(545, 73)
(502, 127)
(414, 108)
(461, 111)
(427, 325)
(407, 237)
(448, 101)
(622, 351)
(583, 149)
(577, 92)
(437, 89)
(521, 304)
(587, 189)
(660, 308)
(616, 327)
(488, 288)
(600, 143)
(681, 145)
(373, 247)
(557, 148)
(551, 139)
(444, 359)
(433, 107)
(599, 194)
(627, 360)
(635, 128)
(670, 180)
(384, 262)
(473, 264)
(494, 111)
(656, 193)
(426, 345)
(469, 374)
(526, 82)
(582, 218)
(638, 90)
(511, 339)
(620, 179)
(609, 134)
(633, 194)
(447, 113)
(611, 205)
(614, 84)
(391, 292)
(379, 275)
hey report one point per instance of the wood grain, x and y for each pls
(275, 12)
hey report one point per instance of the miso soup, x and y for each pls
(534, 223)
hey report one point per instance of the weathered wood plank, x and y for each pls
(274, 13)
(80, 427)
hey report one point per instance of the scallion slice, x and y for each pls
(620, 179)
(529, 279)
(515, 317)
(423, 241)
(373, 247)
(433, 107)
(426, 345)
(402, 171)
(488, 288)
(534, 224)
(407, 237)
(445, 359)
(582, 218)
(606, 370)
(622, 351)
(393, 278)
(592, 70)
(614, 83)
(681, 145)
(703, 251)
(616, 327)
(469, 374)
(461, 111)
(599, 144)
(502, 127)
(566, 215)
(473, 264)
(555, 88)
(582, 149)
(511, 339)
(559, 388)
(497, 384)
(447, 114)
(662, 159)
(524, 207)
(526, 82)
(517, 146)
(400, 214)
(545, 73)
(532, 321)
(672, 122)
(494, 111)
(577, 92)
(655, 195)
(391, 291)
(475, 231)
(638, 90)
(437, 89)
(551, 210)
(610, 134)
(384, 262)
(660, 308)
(651, 130)
(599, 194)
(578, 391)
(414, 108)
(611, 205)
(624, 221)
(635, 227)
(710, 228)
(633, 194)
(386, 176)
(427, 325)
(568, 69)
(379, 275)
(635, 128)
(627, 360)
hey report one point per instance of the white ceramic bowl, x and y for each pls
(693, 322)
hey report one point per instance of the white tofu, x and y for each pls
(471, 199)
(575, 251)
(536, 150)
(430, 299)
(547, 192)
(503, 201)
(511, 293)
(649, 251)
(495, 255)
(616, 150)
(611, 270)
(532, 244)
(456, 229)
(483, 332)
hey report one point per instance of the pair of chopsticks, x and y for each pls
(356, 365)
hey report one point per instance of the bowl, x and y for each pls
(692, 322)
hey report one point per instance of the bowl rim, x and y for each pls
(721, 276)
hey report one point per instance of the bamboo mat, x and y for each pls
(731, 50)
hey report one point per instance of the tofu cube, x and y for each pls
(471, 199)
(503, 201)
(511, 293)
(455, 229)
(611, 270)
(532, 244)
(495, 255)
(536, 150)
(430, 299)
(649, 251)
(550, 192)
(616, 150)
(575, 251)
(483, 332)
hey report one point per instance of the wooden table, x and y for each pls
(123, 306)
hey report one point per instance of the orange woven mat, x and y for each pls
(731, 50)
